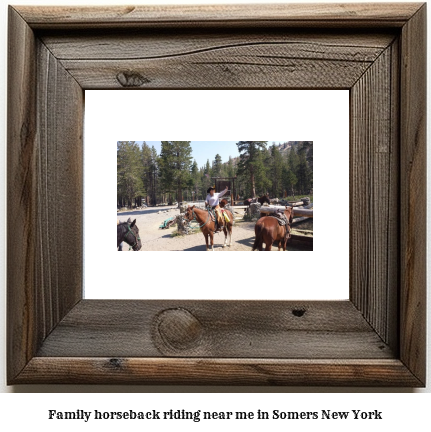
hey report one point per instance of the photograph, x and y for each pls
(208, 195)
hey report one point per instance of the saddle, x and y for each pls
(213, 217)
(223, 213)
(282, 221)
(212, 214)
(281, 218)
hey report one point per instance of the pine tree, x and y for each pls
(276, 169)
(154, 170)
(217, 166)
(206, 174)
(308, 150)
(146, 170)
(303, 172)
(293, 159)
(129, 172)
(263, 172)
(195, 179)
(230, 169)
(175, 163)
(250, 162)
(140, 171)
(207, 169)
(289, 180)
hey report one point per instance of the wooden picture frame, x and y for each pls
(376, 338)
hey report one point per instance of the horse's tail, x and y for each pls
(258, 242)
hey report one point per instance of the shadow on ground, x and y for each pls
(296, 247)
(140, 212)
(247, 242)
(199, 248)
(218, 244)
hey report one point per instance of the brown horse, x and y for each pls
(207, 225)
(268, 231)
(223, 203)
(263, 199)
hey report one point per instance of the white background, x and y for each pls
(197, 115)
(30, 411)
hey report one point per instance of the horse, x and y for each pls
(263, 199)
(268, 231)
(223, 203)
(129, 233)
(207, 225)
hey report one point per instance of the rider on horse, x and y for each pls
(213, 200)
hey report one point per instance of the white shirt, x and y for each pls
(214, 200)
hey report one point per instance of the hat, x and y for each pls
(210, 189)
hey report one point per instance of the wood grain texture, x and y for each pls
(374, 208)
(45, 186)
(228, 60)
(59, 183)
(55, 337)
(141, 44)
(300, 14)
(198, 371)
(413, 194)
(392, 305)
(190, 59)
(21, 196)
(240, 329)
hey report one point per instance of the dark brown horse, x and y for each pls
(263, 199)
(268, 231)
(207, 225)
(128, 232)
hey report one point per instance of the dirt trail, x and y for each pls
(155, 239)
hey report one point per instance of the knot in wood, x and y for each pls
(178, 329)
(131, 79)
(298, 312)
(115, 363)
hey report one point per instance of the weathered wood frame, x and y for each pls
(377, 338)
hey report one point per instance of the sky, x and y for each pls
(203, 150)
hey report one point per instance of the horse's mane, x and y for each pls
(129, 221)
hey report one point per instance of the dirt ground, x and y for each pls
(155, 239)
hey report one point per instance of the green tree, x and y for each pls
(146, 170)
(230, 168)
(207, 169)
(129, 172)
(154, 170)
(303, 171)
(217, 166)
(195, 177)
(250, 162)
(276, 171)
(175, 163)
(206, 174)
(289, 180)
(293, 159)
(307, 147)
(263, 172)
